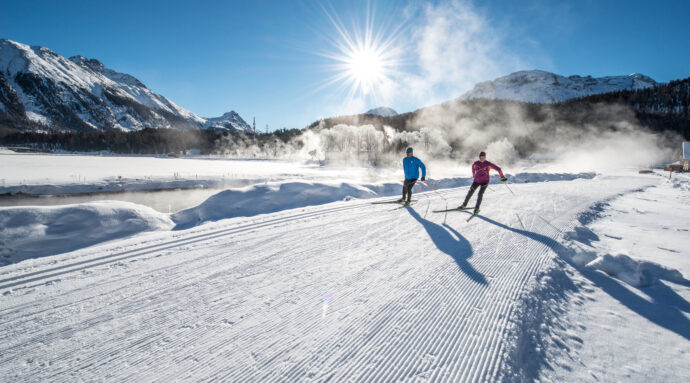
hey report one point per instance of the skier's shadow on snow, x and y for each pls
(456, 246)
(665, 306)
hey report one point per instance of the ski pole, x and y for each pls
(509, 189)
(435, 191)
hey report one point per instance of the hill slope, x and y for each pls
(40, 89)
(230, 121)
(545, 87)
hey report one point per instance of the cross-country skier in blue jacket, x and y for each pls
(411, 165)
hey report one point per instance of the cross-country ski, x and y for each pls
(404, 205)
(397, 201)
(454, 209)
(474, 214)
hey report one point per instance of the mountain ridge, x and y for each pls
(42, 90)
(229, 121)
(382, 111)
(544, 87)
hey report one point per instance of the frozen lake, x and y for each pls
(164, 201)
(164, 184)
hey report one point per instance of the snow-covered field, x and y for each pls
(577, 278)
(41, 174)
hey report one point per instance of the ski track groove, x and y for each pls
(263, 378)
(384, 368)
(200, 267)
(21, 279)
(473, 326)
(224, 377)
(299, 372)
(364, 337)
(382, 333)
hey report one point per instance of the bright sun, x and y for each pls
(364, 59)
(366, 68)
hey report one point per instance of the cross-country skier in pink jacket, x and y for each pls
(480, 172)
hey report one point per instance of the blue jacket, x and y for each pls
(411, 166)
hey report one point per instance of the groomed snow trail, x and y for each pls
(347, 291)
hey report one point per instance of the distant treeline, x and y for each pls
(145, 141)
(664, 108)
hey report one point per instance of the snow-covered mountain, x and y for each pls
(545, 87)
(230, 121)
(39, 88)
(383, 111)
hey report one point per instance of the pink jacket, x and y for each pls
(480, 171)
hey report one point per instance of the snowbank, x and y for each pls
(646, 221)
(635, 273)
(638, 273)
(268, 198)
(31, 232)
(272, 197)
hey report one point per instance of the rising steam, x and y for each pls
(516, 135)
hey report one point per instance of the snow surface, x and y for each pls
(270, 197)
(41, 174)
(545, 87)
(638, 330)
(31, 232)
(37, 117)
(349, 291)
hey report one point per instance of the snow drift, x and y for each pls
(638, 273)
(635, 273)
(260, 199)
(272, 197)
(31, 232)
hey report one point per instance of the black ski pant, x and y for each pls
(482, 189)
(407, 188)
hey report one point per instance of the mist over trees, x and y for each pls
(656, 117)
(665, 107)
(643, 122)
(145, 141)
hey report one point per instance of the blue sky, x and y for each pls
(273, 59)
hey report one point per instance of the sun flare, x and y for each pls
(365, 59)
(366, 68)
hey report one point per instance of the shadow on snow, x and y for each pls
(665, 306)
(452, 243)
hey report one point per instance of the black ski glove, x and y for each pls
(504, 179)
(423, 178)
